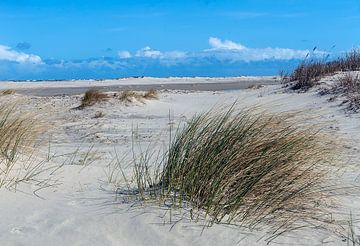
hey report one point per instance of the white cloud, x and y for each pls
(124, 54)
(217, 43)
(230, 50)
(156, 54)
(148, 52)
(7, 54)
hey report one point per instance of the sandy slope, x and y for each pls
(83, 209)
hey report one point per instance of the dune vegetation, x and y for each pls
(91, 97)
(18, 161)
(17, 131)
(7, 92)
(94, 96)
(346, 87)
(129, 96)
(240, 167)
(308, 73)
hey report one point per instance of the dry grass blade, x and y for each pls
(352, 238)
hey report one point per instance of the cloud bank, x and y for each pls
(8, 54)
(232, 50)
(225, 50)
(220, 58)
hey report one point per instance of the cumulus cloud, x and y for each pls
(7, 54)
(218, 44)
(156, 54)
(226, 49)
(148, 52)
(124, 54)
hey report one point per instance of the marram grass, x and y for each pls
(91, 97)
(243, 167)
(17, 131)
(19, 164)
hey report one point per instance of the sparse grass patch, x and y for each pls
(151, 94)
(133, 96)
(93, 96)
(130, 96)
(347, 87)
(8, 92)
(241, 167)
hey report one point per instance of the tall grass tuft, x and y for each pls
(242, 166)
(93, 96)
(18, 162)
(17, 131)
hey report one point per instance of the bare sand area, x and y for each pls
(75, 87)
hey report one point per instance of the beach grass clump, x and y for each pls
(348, 84)
(151, 94)
(8, 92)
(19, 133)
(129, 96)
(93, 96)
(308, 73)
(247, 167)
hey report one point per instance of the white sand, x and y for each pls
(82, 210)
(126, 81)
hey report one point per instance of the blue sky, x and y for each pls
(42, 39)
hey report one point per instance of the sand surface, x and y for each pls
(53, 88)
(83, 209)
